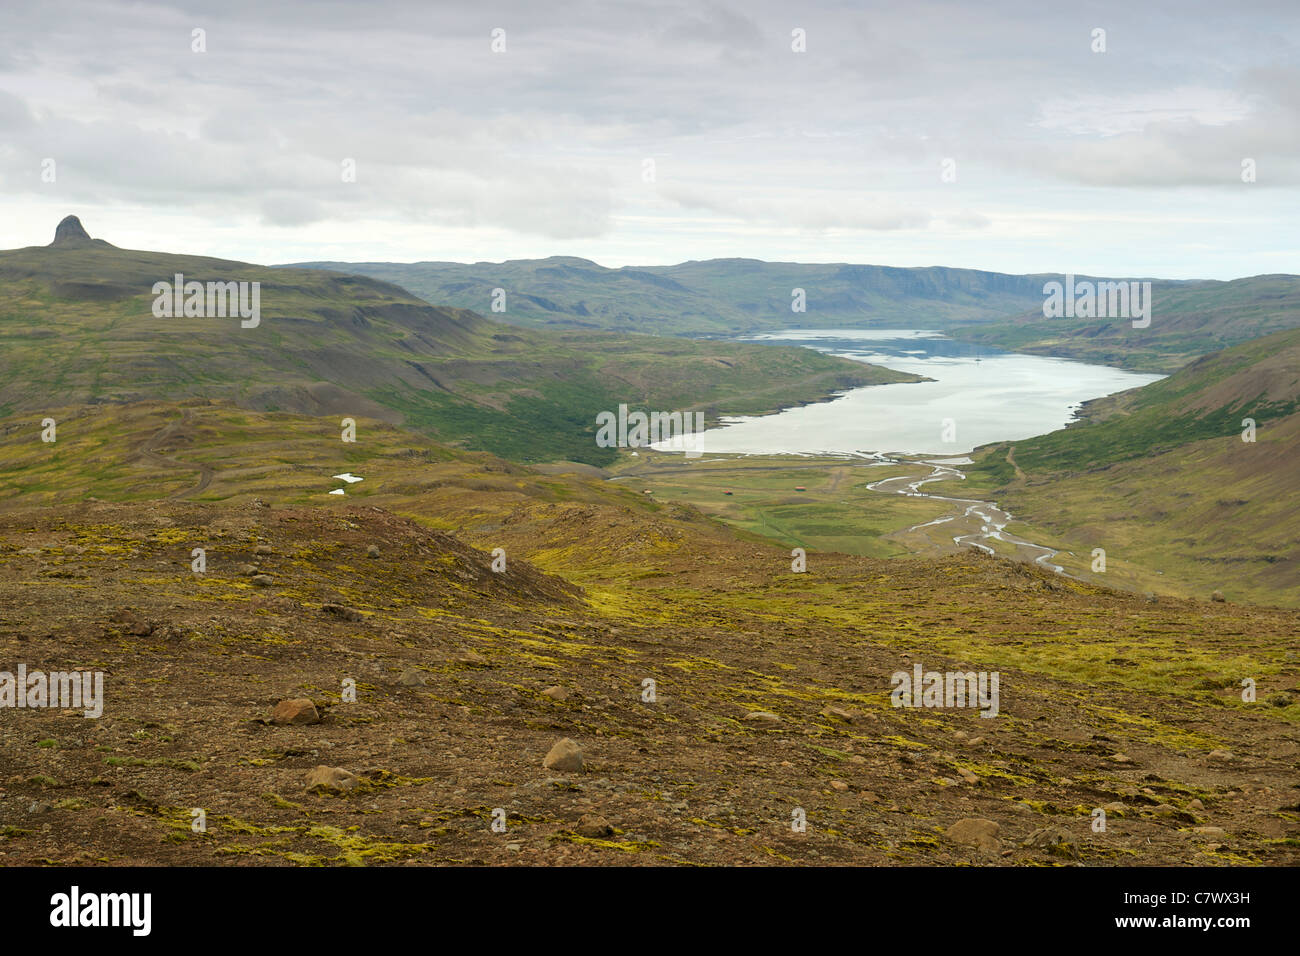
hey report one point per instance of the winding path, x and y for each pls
(154, 441)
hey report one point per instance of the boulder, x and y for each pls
(331, 778)
(299, 710)
(566, 757)
(342, 612)
(412, 677)
(975, 831)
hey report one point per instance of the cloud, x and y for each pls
(816, 214)
(760, 150)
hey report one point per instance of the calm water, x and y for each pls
(988, 395)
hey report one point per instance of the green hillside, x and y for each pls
(77, 326)
(1188, 319)
(1161, 477)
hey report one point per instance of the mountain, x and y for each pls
(726, 296)
(1161, 477)
(1188, 319)
(70, 232)
(717, 296)
(81, 322)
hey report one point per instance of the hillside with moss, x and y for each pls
(77, 325)
(1164, 476)
(431, 687)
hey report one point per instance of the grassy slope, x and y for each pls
(1161, 477)
(1188, 320)
(835, 512)
(714, 616)
(718, 296)
(76, 326)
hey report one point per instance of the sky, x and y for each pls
(1009, 136)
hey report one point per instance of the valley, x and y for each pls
(458, 582)
(465, 677)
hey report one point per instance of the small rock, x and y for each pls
(566, 757)
(411, 677)
(263, 549)
(975, 831)
(132, 624)
(342, 612)
(331, 778)
(1195, 804)
(1121, 758)
(372, 551)
(967, 775)
(840, 713)
(248, 570)
(1217, 596)
(38, 808)
(761, 717)
(556, 693)
(593, 825)
(1221, 756)
(1053, 841)
(300, 710)
(839, 785)
(262, 580)
(1167, 811)
(1213, 832)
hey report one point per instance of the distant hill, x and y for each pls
(726, 296)
(1161, 475)
(77, 325)
(1188, 319)
(716, 296)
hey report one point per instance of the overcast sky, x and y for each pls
(1125, 162)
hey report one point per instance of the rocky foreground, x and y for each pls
(347, 687)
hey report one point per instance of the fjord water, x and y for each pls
(988, 395)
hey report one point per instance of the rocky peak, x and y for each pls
(70, 230)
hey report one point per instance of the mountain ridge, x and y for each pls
(78, 324)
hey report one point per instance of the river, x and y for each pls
(976, 396)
